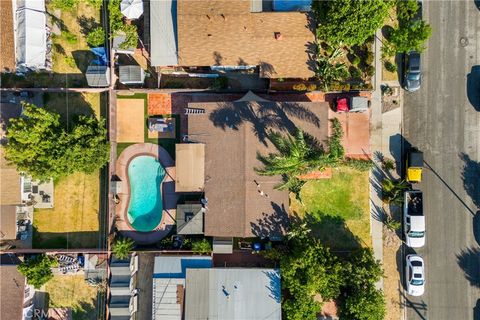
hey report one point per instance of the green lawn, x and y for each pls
(337, 209)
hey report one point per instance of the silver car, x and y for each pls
(412, 75)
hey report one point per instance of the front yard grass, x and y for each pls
(337, 209)
(73, 292)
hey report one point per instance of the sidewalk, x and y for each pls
(385, 138)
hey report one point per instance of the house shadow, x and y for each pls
(473, 86)
(67, 240)
(468, 260)
(264, 117)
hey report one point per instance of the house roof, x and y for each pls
(233, 293)
(8, 222)
(189, 218)
(7, 60)
(12, 288)
(226, 32)
(190, 167)
(175, 266)
(131, 74)
(236, 206)
(163, 33)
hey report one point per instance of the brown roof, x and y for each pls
(190, 167)
(8, 222)
(7, 58)
(9, 186)
(225, 32)
(233, 133)
(12, 287)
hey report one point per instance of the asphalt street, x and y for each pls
(443, 120)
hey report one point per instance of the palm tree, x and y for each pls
(328, 71)
(392, 190)
(122, 247)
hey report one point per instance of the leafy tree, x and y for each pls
(37, 270)
(410, 36)
(95, 3)
(349, 22)
(115, 16)
(64, 4)
(328, 71)
(122, 247)
(41, 147)
(366, 304)
(131, 37)
(202, 246)
(96, 37)
(407, 9)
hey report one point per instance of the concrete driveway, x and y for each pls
(443, 121)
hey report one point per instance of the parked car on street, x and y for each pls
(415, 275)
(414, 219)
(352, 104)
(414, 165)
(412, 74)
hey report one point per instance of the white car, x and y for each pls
(415, 275)
(414, 219)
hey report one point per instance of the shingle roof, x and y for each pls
(12, 287)
(7, 59)
(233, 133)
(189, 218)
(225, 32)
(190, 167)
(8, 222)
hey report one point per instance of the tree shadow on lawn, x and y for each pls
(69, 105)
(87, 24)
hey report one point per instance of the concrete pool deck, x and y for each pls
(168, 193)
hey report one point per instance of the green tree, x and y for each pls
(349, 22)
(64, 4)
(336, 149)
(122, 247)
(364, 304)
(410, 36)
(40, 146)
(115, 16)
(392, 190)
(407, 9)
(37, 269)
(131, 37)
(96, 37)
(95, 3)
(202, 246)
(328, 71)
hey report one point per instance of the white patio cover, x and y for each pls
(132, 9)
(30, 34)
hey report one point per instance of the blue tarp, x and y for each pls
(291, 5)
(101, 54)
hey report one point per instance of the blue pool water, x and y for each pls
(292, 5)
(145, 208)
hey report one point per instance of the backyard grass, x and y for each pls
(74, 220)
(75, 293)
(72, 104)
(337, 209)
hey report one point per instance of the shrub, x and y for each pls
(392, 224)
(70, 61)
(388, 164)
(299, 87)
(369, 58)
(122, 247)
(131, 37)
(370, 71)
(359, 164)
(355, 73)
(202, 246)
(95, 3)
(391, 67)
(173, 84)
(64, 4)
(220, 83)
(311, 87)
(69, 37)
(96, 37)
(37, 269)
(356, 61)
(335, 146)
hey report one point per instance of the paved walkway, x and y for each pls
(385, 141)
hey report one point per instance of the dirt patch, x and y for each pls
(130, 120)
(392, 281)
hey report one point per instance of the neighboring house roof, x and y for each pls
(8, 222)
(7, 59)
(190, 167)
(10, 186)
(226, 32)
(163, 33)
(233, 293)
(176, 266)
(236, 207)
(12, 288)
(189, 218)
(131, 75)
(98, 76)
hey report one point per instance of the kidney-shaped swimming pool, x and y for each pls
(145, 175)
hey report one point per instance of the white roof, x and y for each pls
(30, 34)
(163, 33)
(417, 223)
(233, 293)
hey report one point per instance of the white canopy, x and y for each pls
(30, 34)
(132, 9)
